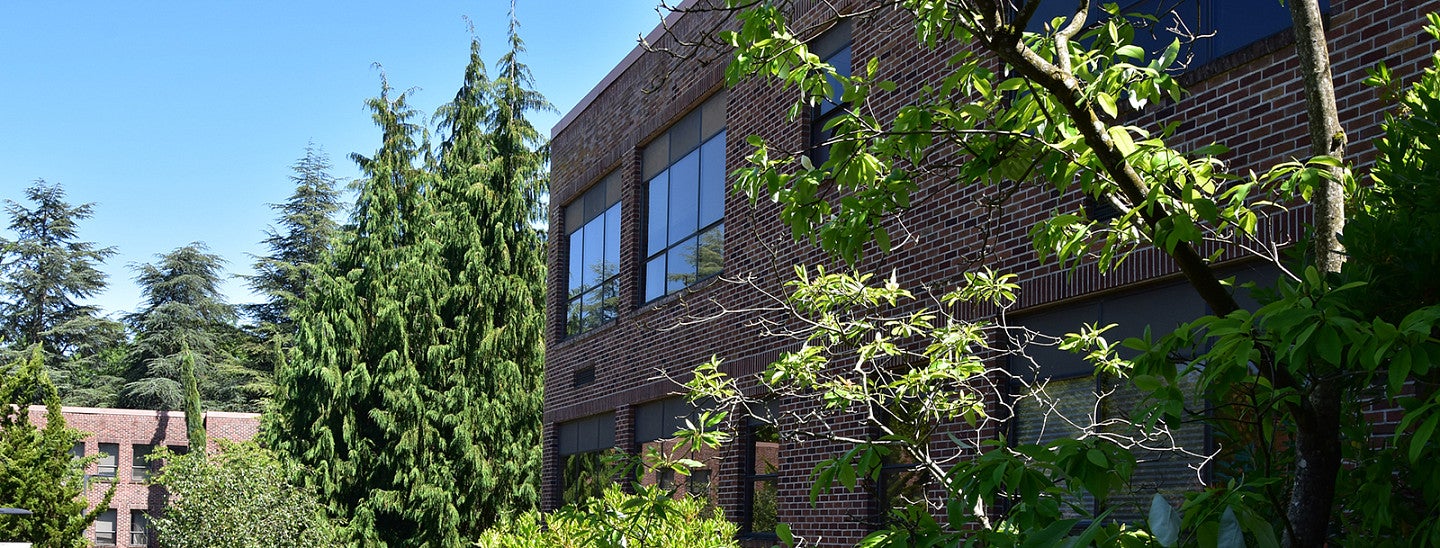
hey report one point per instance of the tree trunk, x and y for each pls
(1317, 463)
(1317, 416)
(1326, 136)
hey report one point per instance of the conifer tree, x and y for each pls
(194, 410)
(184, 308)
(44, 272)
(414, 388)
(491, 168)
(37, 472)
(353, 406)
(306, 226)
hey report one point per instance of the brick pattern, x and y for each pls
(129, 427)
(1251, 101)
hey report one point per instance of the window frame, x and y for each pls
(113, 467)
(605, 197)
(828, 47)
(113, 538)
(589, 438)
(141, 468)
(143, 532)
(661, 159)
(751, 477)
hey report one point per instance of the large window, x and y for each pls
(1212, 28)
(684, 170)
(833, 47)
(592, 226)
(105, 528)
(583, 444)
(762, 475)
(109, 461)
(1066, 393)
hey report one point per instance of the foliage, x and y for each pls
(194, 413)
(43, 273)
(1059, 115)
(184, 310)
(237, 497)
(307, 225)
(37, 472)
(651, 517)
(414, 386)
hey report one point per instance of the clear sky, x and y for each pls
(180, 120)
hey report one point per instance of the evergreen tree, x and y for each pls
(183, 308)
(37, 472)
(491, 172)
(352, 406)
(306, 226)
(429, 429)
(504, 325)
(44, 271)
(194, 410)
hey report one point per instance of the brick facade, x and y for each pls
(1251, 100)
(128, 428)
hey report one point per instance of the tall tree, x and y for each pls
(37, 472)
(491, 172)
(306, 226)
(428, 431)
(183, 308)
(352, 405)
(44, 271)
(194, 409)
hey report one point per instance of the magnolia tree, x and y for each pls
(1057, 104)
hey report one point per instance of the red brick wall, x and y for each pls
(1250, 100)
(128, 427)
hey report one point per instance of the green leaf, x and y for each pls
(1050, 536)
(1131, 50)
(1107, 104)
(1121, 137)
(1097, 457)
(1422, 437)
(1164, 521)
(782, 530)
(1230, 534)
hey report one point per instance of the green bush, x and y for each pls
(649, 518)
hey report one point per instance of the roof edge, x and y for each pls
(620, 68)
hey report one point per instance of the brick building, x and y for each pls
(644, 235)
(122, 438)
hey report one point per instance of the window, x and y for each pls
(833, 47)
(105, 528)
(77, 451)
(583, 376)
(592, 226)
(684, 170)
(1072, 390)
(900, 483)
(655, 425)
(139, 528)
(1222, 26)
(583, 444)
(109, 461)
(140, 462)
(762, 476)
(178, 449)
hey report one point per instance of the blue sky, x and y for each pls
(181, 120)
